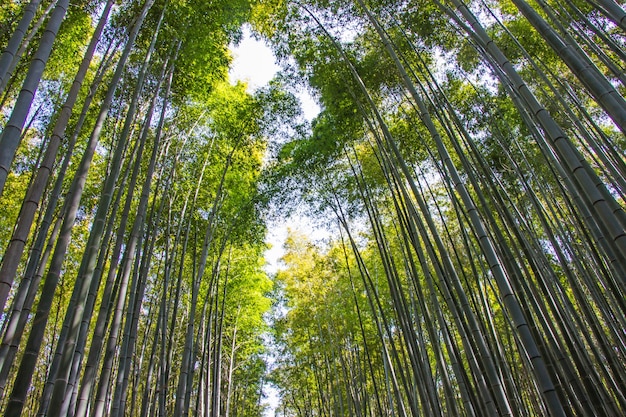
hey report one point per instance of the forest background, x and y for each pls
(467, 164)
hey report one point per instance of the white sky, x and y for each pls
(253, 62)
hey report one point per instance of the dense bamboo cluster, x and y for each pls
(468, 162)
(132, 281)
(479, 267)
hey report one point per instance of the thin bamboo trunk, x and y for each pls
(9, 54)
(597, 85)
(12, 132)
(22, 49)
(612, 10)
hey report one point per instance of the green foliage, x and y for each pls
(205, 30)
(71, 40)
(9, 14)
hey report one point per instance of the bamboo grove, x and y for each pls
(467, 163)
